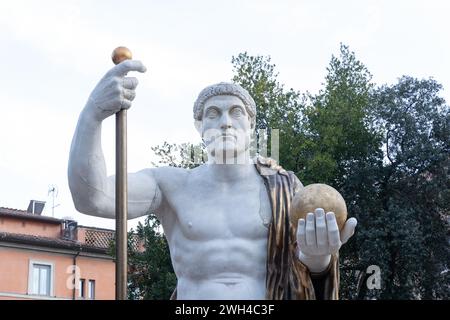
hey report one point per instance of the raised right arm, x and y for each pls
(92, 191)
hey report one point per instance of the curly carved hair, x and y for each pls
(225, 88)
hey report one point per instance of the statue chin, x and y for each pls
(228, 153)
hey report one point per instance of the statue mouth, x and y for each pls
(228, 136)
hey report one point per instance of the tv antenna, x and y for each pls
(53, 189)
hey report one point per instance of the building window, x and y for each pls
(40, 280)
(91, 290)
(81, 289)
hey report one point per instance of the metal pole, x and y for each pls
(121, 205)
(118, 55)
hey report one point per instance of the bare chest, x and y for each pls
(217, 212)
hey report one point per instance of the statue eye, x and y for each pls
(237, 112)
(212, 113)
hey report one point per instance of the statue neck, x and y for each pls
(230, 172)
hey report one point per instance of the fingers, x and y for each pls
(128, 94)
(321, 229)
(312, 234)
(130, 83)
(125, 104)
(301, 234)
(319, 234)
(114, 91)
(334, 239)
(348, 230)
(310, 230)
(126, 66)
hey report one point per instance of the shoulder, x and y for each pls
(168, 178)
(269, 166)
(297, 185)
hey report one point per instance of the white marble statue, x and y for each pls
(216, 217)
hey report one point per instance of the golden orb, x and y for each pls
(120, 54)
(315, 196)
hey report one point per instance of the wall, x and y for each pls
(30, 227)
(14, 272)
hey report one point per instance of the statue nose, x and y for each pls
(225, 122)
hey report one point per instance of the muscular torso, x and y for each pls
(216, 234)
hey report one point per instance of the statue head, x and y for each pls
(225, 88)
(225, 115)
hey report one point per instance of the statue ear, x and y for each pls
(252, 122)
(198, 126)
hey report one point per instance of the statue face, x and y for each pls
(225, 128)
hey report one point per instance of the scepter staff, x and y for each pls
(120, 54)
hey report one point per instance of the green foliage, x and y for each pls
(277, 108)
(275, 105)
(185, 155)
(414, 189)
(151, 275)
(337, 124)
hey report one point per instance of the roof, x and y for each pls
(23, 214)
(95, 228)
(97, 239)
(49, 242)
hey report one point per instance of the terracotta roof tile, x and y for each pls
(49, 242)
(16, 213)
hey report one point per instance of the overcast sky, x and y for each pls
(54, 52)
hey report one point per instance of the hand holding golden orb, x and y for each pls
(318, 195)
(120, 54)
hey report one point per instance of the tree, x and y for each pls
(184, 155)
(386, 150)
(342, 149)
(337, 123)
(150, 274)
(414, 189)
(277, 108)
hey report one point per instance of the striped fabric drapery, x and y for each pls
(287, 277)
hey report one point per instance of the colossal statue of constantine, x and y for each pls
(226, 221)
